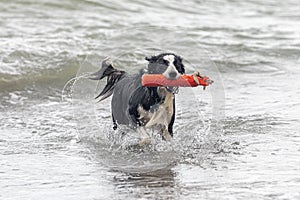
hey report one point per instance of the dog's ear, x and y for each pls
(180, 59)
(181, 67)
(151, 59)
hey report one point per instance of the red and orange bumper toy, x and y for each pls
(185, 80)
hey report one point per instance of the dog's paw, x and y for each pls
(167, 137)
(145, 141)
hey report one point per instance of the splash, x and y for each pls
(120, 150)
(71, 83)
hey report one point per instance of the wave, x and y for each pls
(54, 77)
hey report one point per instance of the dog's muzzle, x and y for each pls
(171, 75)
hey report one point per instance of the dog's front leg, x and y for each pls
(145, 138)
(165, 133)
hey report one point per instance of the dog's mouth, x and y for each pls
(172, 89)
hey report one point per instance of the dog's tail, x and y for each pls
(113, 77)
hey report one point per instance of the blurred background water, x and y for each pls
(251, 49)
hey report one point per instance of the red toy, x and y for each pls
(186, 80)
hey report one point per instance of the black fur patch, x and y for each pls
(128, 93)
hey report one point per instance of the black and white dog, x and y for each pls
(138, 106)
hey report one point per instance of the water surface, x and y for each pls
(239, 140)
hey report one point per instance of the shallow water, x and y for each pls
(239, 139)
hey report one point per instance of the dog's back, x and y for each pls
(138, 106)
(121, 97)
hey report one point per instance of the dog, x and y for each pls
(142, 107)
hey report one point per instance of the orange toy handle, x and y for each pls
(154, 80)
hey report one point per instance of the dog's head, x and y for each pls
(168, 64)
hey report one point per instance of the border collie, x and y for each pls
(142, 107)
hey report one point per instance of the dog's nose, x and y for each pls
(172, 74)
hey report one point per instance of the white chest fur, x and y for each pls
(162, 115)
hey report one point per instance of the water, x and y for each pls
(240, 140)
